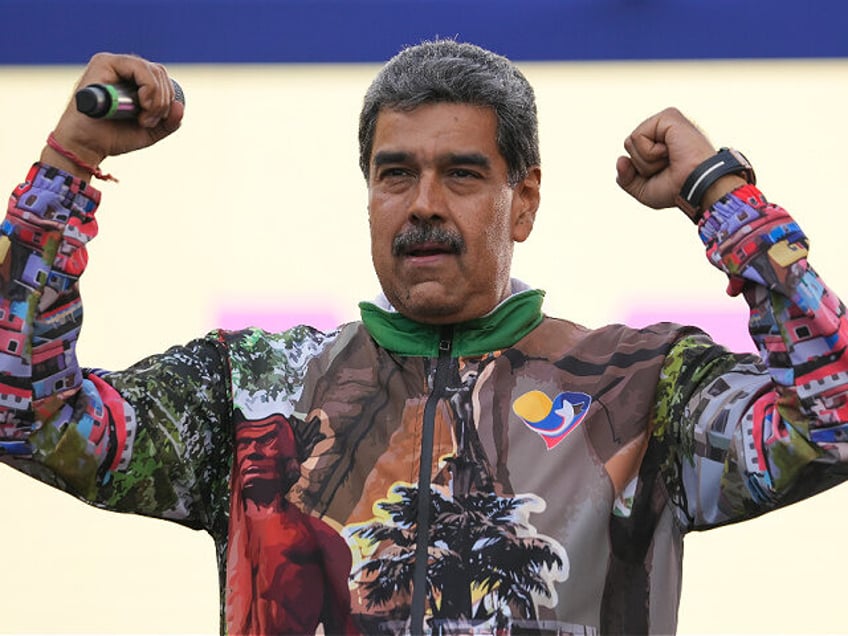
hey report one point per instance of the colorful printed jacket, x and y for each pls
(517, 473)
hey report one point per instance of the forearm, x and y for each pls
(128, 441)
(797, 322)
(49, 220)
(747, 429)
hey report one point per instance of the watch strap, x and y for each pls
(725, 161)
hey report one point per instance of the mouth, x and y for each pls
(423, 250)
(255, 467)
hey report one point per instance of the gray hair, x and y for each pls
(460, 73)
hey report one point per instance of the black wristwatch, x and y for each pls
(725, 161)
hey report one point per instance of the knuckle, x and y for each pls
(100, 58)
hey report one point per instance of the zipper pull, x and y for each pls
(445, 340)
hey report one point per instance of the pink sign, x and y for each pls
(275, 319)
(729, 328)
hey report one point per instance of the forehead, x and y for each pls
(255, 430)
(437, 127)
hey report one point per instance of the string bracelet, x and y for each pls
(95, 171)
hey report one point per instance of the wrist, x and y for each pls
(712, 179)
(77, 163)
(52, 158)
(725, 185)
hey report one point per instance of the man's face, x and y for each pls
(443, 216)
(266, 457)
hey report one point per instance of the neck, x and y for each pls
(500, 328)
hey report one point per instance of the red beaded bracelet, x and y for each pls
(95, 171)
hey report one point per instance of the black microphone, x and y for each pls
(114, 101)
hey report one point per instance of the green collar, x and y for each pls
(507, 323)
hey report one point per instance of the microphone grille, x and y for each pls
(178, 92)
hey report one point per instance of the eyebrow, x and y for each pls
(464, 159)
(385, 157)
(470, 159)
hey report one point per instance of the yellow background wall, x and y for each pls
(257, 201)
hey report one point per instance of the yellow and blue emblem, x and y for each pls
(552, 419)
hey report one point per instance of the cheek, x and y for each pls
(381, 244)
(498, 229)
(498, 237)
(377, 217)
(380, 203)
(382, 226)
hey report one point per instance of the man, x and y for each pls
(489, 468)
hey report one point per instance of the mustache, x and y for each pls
(427, 233)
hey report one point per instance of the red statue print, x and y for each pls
(287, 571)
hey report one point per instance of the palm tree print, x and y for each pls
(484, 555)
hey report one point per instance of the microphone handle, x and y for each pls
(114, 101)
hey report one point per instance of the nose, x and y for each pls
(428, 202)
(253, 450)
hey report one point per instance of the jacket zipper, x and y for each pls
(425, 474)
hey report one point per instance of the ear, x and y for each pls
(525, 203)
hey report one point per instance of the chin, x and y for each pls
(430, 298)
(432, 314)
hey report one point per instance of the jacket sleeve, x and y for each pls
(152, 439)
(744, 434)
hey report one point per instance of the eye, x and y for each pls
(393, 172)
(464, 173)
